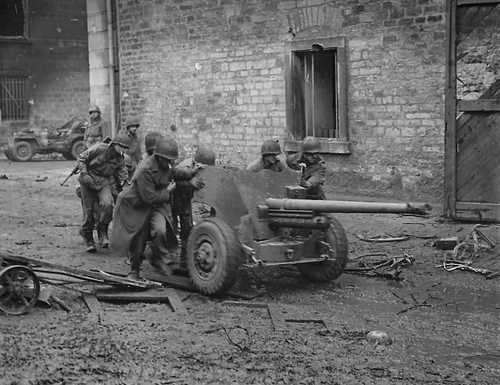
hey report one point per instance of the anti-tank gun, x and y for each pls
(262, 219)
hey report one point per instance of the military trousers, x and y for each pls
(92, 201)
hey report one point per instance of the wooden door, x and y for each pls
(472, 153)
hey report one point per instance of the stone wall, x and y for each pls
(213, 72)
(54, 56)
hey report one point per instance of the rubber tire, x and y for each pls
(28, 156)
(224, 239)
(77, 144)
(329, 270)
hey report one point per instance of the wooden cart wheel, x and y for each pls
(19, 290)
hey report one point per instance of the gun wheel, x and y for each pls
(19, 290)
(213, 256)
(332, 242)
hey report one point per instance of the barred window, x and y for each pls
(13, 101)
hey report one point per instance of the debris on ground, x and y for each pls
(382, 238)
(41, 179)
(445, 243)
(467, 251)
(379, 337)
(381, 267)
(4, 176)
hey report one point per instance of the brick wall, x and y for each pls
(55, 59)
(214, 72)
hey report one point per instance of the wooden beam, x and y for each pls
(478, 212)
(450, 112)
(479, 105)
(476, 2)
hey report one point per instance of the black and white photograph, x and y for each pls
(268, 192)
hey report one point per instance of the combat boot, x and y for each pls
(89, 241)
(91, 248)
(134, 275)
(160, 265)
(103, 239)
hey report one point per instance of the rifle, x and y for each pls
(73, 172)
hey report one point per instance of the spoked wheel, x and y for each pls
(19, 289)
(23, 151)
(331, 243)
(77, 148)
(213, 256)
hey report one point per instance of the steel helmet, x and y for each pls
(269, 147)
(167, 148)
(151, 139)
(122, 139)
(292, 146)
(94, 108)
(132, 121)
(311, 145)
(204, 155)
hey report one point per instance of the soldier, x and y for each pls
(143, 211)
(268, 160)
(135, 149)
(102, 167)
(183, 194)
(150, 142)
(97, 127)
(313, 168)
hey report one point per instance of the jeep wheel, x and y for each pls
(77, 148)
(213, 256)
(23, 151)
(334, 243)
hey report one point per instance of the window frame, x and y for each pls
(26, 29)
(340, 144)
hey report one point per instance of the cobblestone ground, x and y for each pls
(451, 337)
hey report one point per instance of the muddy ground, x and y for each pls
(452, 337)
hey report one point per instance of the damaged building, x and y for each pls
(44, 68)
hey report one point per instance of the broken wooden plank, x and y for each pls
(156, 295)
(277, 317)
(175, 302)
(479, 105)
(259, 305)
(94, 306)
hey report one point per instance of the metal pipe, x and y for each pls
(327, 206)
(111, 67)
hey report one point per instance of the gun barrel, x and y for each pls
(327, 206)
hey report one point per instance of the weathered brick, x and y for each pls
(395, 84)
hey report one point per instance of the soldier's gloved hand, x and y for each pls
(171, 187)
(197, 183)
(86, 179)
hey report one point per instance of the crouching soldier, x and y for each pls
(143, 211)
(181, 204)
(268, 159)
(313, 168)
(102, 166)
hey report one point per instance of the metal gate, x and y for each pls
(472, 139)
